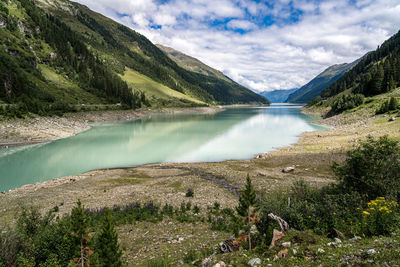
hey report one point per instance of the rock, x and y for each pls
(276, 236)
(207, 261)
(261, 174)
(283, 253)
(320, 250)
(371, 251)
(288, 169)
(294, 251)
(180, 239)
(337, 240)
(355, 239)
(286, 244)
(180, 262)
(229, 245)
(254, 262)
(392, 119)
(336, 233)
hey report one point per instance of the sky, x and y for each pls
(263, 45)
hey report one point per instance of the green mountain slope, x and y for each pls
(378, 72)
(371, 84)
(191, 63)
(58, 55)
(215, 80)
(319, 83)
(278, 96)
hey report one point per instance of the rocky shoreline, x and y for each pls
(36, 129)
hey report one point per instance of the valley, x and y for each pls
(118, 147)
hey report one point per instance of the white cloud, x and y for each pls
(283, 55)
(241, 24)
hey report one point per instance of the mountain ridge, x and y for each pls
(314, 87)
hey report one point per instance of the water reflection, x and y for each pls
(236, 133)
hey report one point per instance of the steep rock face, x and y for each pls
(319, 83)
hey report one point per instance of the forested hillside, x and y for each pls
(57, 55)
(319, 83)
(30, 38)
(378, 72)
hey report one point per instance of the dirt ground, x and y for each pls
(312, 156)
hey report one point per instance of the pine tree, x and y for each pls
(247, 200)
(79, 224)
(393, 103)
(107, 248)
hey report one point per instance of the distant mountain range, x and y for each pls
(278, 96)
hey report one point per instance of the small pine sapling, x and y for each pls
(247, 205)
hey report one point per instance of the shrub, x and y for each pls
(372, 168)
(308, 208)
(389, 105)
(189, 193)
(381, 217)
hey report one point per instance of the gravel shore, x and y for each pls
(36, 129)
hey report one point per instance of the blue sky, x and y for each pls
(264, 45)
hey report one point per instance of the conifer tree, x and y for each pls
(393, 103)
(247, 200)
(79, 224)
(107, 248)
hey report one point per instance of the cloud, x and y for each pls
(241, 24)
(264, 45)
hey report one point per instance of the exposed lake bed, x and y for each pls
(234, 133)
(312, 156)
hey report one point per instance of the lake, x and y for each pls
(235, 133)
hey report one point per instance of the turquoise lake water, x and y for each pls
(236, 133)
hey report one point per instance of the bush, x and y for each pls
(389, 105)
(381, 217)
(189, 193)
(372, 168)
(307, 208)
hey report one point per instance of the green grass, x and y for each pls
(64, 90)
(152, 88)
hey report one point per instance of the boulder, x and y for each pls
(254, 262)
(286, 244)
(277, 235)
(288, 169)
(355, 239)
(283, 253)
(392, 119)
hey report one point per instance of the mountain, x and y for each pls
(194, 65)
(376, 73)
(278, 96)
(191, 63)
(320, 82)
(58, 55)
